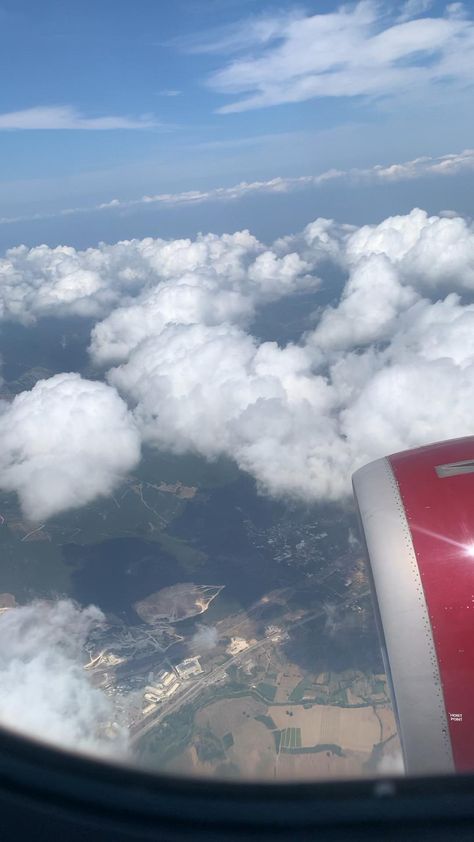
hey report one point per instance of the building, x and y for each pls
(276, 633)
(236, 645)
(165, 686)
(189, 667)
(159, 678)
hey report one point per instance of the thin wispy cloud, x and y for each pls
(58, 117)
(414, 8)
(257, 30)
(447, 165)
(355, 51)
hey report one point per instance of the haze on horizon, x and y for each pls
(195, 98)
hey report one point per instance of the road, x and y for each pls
(188, 694)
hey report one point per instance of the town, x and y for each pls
(250, 654)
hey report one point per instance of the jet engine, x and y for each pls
(417, 516)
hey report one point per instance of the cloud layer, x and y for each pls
(43, 687)
(64, 443)
(210, 279)
(376, 374)
(443, 165)
(371, 378)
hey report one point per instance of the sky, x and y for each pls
(122, 119)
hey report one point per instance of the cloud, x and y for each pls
(204, 639)
(371, 302)
(372, 377)
(256, 30)
(208, 281)
(350, 52)
(457, 10)
(430, 251)
(65, 117)
(332, 623)
(444, 165)
(147, 283)
(413, 8)
(44, 281)
(450, 164)
(391, 764)
(215, 390)
(43, 687)
(64, 443)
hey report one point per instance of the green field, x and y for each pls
(268, 691)
(290, 738)
(267, 721)
(298, 692)
(227, 741)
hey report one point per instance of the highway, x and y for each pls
(189, 693)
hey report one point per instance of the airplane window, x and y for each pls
(236, 270)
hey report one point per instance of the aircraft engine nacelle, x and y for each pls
(417, 514)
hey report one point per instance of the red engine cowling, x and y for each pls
(417, 514)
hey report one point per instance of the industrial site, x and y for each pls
(235, 699)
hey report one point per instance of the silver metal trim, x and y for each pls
(453, 469)
(411, 653)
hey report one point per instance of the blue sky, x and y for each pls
(112, 100)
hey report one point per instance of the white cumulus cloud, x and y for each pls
(375, 375)
(165, 280)
(214, 390)
(43, 687)
(431, 251)
(64, 443)
(372, 299)
(44, 281)
(388, 365)
(210, 281)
